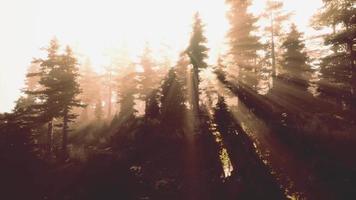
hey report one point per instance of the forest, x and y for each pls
(272, 118)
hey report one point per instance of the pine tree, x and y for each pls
(294, 59)
(68, 93)
(122, 66)
(147, 78)
(198, 53)
(164, 64)
(48, 107)
(243, 43)
(152, 106)
(59, 88)
(172, 102)
(276, 17)
(26, 104)
(222, 115)
(18, 155)
(256, 179)
(181, 71)
(339, 66)
(32, 78)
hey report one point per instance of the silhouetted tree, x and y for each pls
(250, 174)
(210, 170)
(173, 106)
(148, 79)
(19, 164)
(294, 58)
(152, 106)
(58, 91)
(19, 152)
(197, 52)
(48, 96)
(339, 66)
(182, 73)
(68, 93)
(26, 104)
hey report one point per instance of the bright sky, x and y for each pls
(95, 27)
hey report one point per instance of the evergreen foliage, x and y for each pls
(294, 59)
(244, 44)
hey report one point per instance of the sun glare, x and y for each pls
(97, 29)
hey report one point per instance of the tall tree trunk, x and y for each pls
(195, 96)
(109, 103)
(110, 93)
(353, 78)
(273, 54)
(50, 137)
(194, 93)
(65, 136)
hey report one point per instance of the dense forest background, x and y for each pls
(272, 119)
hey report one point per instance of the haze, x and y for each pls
(96, 28)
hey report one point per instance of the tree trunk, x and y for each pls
(109, 100)
(50, 137)
(273, 54)
(65, 136)
(353, 77)
(195, 96)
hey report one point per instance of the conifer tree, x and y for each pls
(276, 17)
(198, 53)
(58, 94)
(26, 104)
(181, 71)
(339, 66)
(294, 58)
(152, 106)
(148, 79)
(32, 78)
(18, 154)
(48, 96)
(172, 102)
(68, 93)
(243, 43)
(258, 183)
